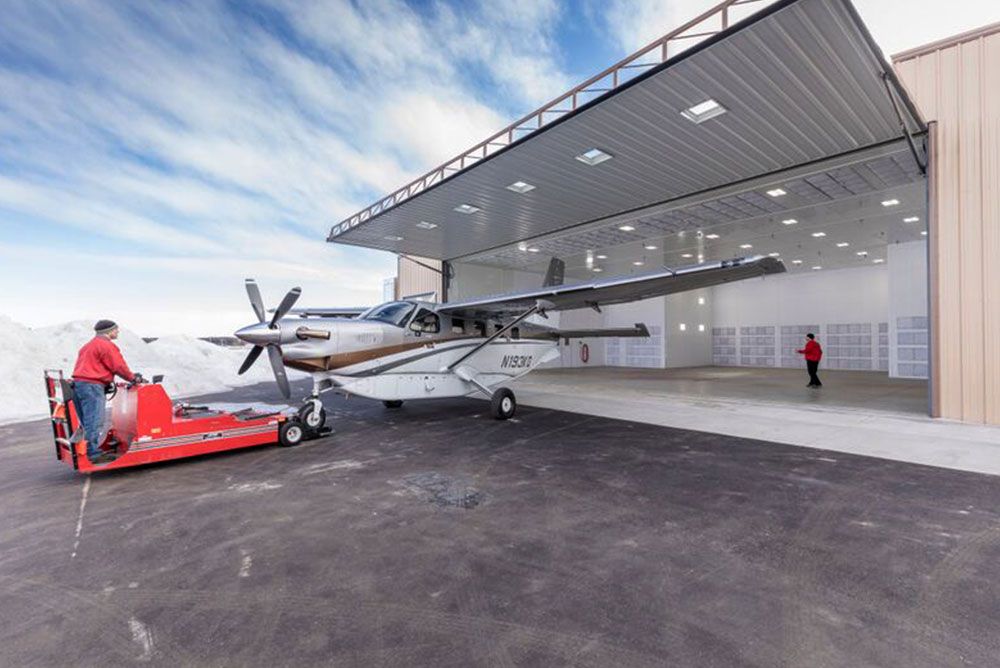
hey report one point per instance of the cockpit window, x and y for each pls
(393, 313)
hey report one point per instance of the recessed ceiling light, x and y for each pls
(924, 233)
(687, 256)
(701, 258)
(533, 250)
(392, 237)
(711, 236)
(746, 246)
(649, 247)
(594, 156)
(817, 268)
(796, 261)
(520, 187)
(467, 208)
(878, 260)
(522, 246)
(703, 111)
(601, 257)
(819, 235)
(890, 202)
(912, 219)
(777, 192)
(598, 269)
(843, 244)
(424, 225)
(638, 263)
(627, 228)
(774, 254)
(789, 221)
(701, 328)
(701, 301)
(682, 326)
(862, 253)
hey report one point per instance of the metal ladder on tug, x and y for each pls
(62, 414)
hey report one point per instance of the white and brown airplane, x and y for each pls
(416, 349)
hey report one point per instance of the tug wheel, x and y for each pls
(291, 433)
(394, 403)
(503, 404)
(312, 419)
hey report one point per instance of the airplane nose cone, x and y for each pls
(258, 334)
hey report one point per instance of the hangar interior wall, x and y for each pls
(871, 318)
(954, 84)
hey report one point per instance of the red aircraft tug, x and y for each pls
(147, 427)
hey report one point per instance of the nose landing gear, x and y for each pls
(312, 416)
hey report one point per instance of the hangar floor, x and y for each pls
(433, 535)
(871, 391)
(855, 412)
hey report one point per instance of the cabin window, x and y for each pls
(426, 321)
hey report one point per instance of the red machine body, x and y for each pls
(147, 427)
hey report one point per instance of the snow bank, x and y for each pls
(190, 366)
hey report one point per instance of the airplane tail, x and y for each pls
(554, 276)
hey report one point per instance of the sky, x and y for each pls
(154, 154)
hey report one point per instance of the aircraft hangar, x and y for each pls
(758, 128)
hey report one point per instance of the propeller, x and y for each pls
(267, 336)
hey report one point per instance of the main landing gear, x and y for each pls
(503, 404)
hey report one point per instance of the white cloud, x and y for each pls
(195, 146)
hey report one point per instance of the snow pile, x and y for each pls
(190, 366)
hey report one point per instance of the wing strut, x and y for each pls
(500, 332)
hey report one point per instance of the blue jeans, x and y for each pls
(89, 398)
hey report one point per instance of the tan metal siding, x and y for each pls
(957, 86)
(415, 280)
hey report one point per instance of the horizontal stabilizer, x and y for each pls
(640, 330)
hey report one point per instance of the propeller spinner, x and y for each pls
(266, 334)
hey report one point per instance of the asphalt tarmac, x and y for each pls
(433, 535)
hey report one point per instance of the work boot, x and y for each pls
(103, 458)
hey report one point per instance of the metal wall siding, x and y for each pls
(415, 280)
(958, 86)
(800, 85)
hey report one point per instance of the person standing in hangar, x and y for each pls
(813, 353)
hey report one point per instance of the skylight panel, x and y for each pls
(594, 156)
(703, 111)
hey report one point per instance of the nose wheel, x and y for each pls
(312, 416)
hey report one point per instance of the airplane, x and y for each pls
(414, 348)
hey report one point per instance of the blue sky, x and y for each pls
(153, 154)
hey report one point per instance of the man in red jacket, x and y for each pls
(97, 364)
(813, 354)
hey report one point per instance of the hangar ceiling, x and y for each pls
(799, 82)
(843, 202)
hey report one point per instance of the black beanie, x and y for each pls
(103, 326)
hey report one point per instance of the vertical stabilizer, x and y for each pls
(554, 276)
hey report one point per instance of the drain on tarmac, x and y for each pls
(443, 490)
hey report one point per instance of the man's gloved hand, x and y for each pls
(137, 379)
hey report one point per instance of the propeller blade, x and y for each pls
(274, 353)
(286, 303)
(251, 358)
(255, 301)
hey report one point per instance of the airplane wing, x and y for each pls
(615, 290)
(335, 312)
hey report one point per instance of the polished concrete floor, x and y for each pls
(433, 535)
(855, 412)
(871, 391)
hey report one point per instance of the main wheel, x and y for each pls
(290, 433)
(312, 419)
(394, 403)
(503, 404)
